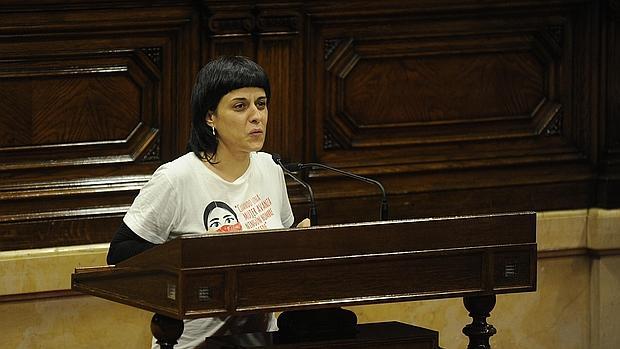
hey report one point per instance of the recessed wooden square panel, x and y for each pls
(70, 108)
(405, 276)
(442, 89)
(94, 98)
(89, 104)
(420, 90)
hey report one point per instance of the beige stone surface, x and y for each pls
(604, 229)
(561, 230)
(40, 270)
(605, 303)
(555, 316)
(73, 323)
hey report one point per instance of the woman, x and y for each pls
(223, 169)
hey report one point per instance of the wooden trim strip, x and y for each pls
(572, 252)
(579, 252)
(34, 296)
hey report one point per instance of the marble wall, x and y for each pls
(37, 312)
(576, 305)
(553, 317)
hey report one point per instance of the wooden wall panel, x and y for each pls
(279, 51)
(91, 100)
(92, 105)
(437, 81)
(431, 101)
(272, 37)
(404, 97)
(609, 146)
(457, 106)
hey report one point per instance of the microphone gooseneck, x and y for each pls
(293, 167)
(313, 212)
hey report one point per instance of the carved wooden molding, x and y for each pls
(103, 108)
(329, 46)
(254, 21)
(353, 74)
(242, 24)
(554, 128)
(329, 142)
(154, 152)
(556, 32)
(277, 23)
(154, 53)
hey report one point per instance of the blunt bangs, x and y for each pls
(240, 76)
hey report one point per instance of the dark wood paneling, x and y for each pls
(458, 107)
(609, 182)
(384, 92)
(94, 98)
(91, 105)
(279, 50)
(321, 282)
(393, 82)
(271, 35)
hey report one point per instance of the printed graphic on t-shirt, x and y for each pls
(254, 213)
(218, 216)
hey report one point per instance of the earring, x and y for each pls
(213, 129)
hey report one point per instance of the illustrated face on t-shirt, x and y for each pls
(221, 219)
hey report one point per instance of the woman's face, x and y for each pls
(240, 120)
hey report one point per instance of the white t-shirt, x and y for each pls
(184, 197)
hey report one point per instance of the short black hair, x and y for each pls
(216, 79)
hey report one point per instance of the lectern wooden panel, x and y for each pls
(214, 274)
(325, 266)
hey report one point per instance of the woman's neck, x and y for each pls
(229, 166)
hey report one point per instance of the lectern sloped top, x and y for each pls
(201, 275)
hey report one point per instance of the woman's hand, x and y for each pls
(305, 223)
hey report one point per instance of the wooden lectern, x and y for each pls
(201, 275)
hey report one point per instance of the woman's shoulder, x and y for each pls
(179, 167)
(187, 159)
(264, 159)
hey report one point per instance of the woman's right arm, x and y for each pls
(126, 244)
(150, 216)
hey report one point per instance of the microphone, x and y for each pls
(313, 212)
(294, 167)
